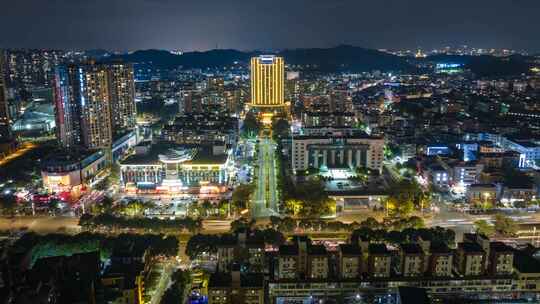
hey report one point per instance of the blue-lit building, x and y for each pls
(94, 103)
(529, 150)
(449, 68)
(433, 150)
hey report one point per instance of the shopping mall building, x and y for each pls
(173, 168)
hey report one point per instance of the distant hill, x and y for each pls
(341, 58)
(347, 58)
(489, 66)
(165, 59)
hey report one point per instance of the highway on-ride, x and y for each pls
(266, 197)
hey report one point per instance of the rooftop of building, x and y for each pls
(413, 295)
(378, 248)
(128, 271)
(336, 134)
(436, 167)
(470, 247)
(63, 157)
(288, 250)
(482, 186)
(350, 249)
(225, 280)
(203, 155)
(500, 247)
(524, 262)
(317, 250)
(74, 274)
(411, 248)
(439, 248)
(499, 154)
(528, 144)
(227, 240)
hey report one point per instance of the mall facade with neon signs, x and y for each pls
(170, 168)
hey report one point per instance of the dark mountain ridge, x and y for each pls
(337, 59)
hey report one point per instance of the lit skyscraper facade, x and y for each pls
(96, 102)
(122, 94)
(267, 81)
(92, 100)
(5, 129)
(67, 106)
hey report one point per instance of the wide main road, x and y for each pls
(70, 224)
(266, 198)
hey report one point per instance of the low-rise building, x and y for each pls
(73, 171)
(225, 254)
(411, 260)
(318, 260)
(440, 260)
(470, 259)
(337, 150)
(523, 193)
(501, 259)
(467, 173)
(527, 269)
(481, 194)
(379, 261)
(350, 261)
(234, 287)
(287, 262)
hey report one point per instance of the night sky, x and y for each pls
(270, 24)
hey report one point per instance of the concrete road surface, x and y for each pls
(266, 198)
(49, 224)
(41, 224)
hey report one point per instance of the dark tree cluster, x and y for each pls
(176, 292)
(437, 235)
(50, 245)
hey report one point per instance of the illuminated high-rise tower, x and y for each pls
(94, 102)
(5, 128)
(122, 96)
(83, 106)
(267, 81)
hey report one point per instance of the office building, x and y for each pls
(337, 151)
(267, 81)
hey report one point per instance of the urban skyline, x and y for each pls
(306, 171)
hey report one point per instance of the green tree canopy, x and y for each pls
(251, 125)
(280, 128)
(483, 227)
(505, 225)
(241, 195)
